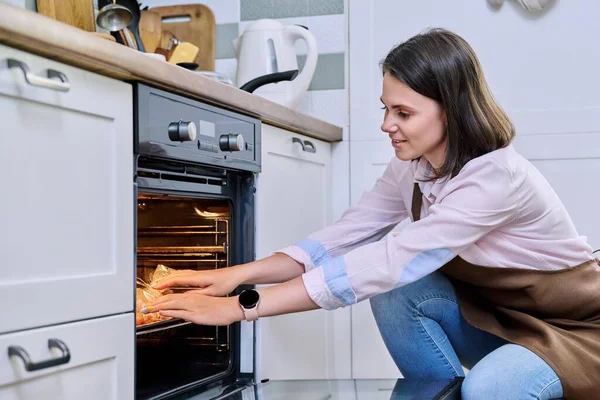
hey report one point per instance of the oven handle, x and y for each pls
(30, 366)
(231, 390)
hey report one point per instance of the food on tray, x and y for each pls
(145, 294)
(160, 272)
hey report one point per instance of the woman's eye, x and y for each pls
(384, 108)
(403, 115)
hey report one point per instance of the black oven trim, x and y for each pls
(143, 145)
(239, 189)
(240, 193)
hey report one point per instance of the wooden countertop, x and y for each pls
(38, 34)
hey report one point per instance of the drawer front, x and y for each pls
(101, 364)
(67, 209)
(289, 144)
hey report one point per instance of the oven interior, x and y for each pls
(179, 233)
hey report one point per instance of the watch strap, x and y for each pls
(251, 314)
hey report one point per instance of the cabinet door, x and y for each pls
(66, 208)
(370, 358)
(100, 367)
(293, 200)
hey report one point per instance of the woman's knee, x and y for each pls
(511, 372)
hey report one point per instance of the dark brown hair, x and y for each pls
(441, 65)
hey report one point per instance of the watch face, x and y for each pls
(249, 298)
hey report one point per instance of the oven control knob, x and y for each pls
(232, 142)
(182, 131)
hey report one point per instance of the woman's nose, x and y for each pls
(388, 127)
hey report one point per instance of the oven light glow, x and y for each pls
(207, 214)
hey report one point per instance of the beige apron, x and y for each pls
(555, 314)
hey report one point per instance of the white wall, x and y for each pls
(28, 4)
(542, 69)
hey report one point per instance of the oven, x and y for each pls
(195, 169)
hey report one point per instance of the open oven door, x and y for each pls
(403, 389)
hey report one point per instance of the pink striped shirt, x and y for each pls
(499, 211)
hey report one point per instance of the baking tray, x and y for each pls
(160, 326)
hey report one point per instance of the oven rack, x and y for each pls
(180, 233)
(180, 260)
(181, 250)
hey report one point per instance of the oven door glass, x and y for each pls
(178, 233)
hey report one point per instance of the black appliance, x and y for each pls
(195, 169)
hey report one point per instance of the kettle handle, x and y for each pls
(275, 77)
(295, 32)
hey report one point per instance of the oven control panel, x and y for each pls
(173, 126)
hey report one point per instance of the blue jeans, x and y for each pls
(428, 338)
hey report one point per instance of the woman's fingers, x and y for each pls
(168, 302)
(207, 291)
(184, 279)
(186, 315)
(161, 299)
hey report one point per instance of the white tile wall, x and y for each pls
(227, 66)
(328, 30)
(330, 34)
(18, 3)
(328, 105)
(226, 11)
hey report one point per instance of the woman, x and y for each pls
(491, 274)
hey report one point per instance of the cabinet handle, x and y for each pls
(296, 140)
(49, 83)
(309, 147)
(30, 366)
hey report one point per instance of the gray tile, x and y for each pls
(325, 7)
(225, 33)
(329, 74)
(290, 8)
(256, 9)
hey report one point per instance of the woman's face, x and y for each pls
(415, 124)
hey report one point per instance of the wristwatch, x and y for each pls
(249, 300)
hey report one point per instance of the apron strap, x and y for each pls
(417, 202)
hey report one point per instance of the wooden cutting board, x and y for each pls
(193, 23)
(150, 30)
(79, 13)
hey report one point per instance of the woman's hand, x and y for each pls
(219, 282)
(198, 308)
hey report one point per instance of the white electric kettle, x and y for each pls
(267, 47)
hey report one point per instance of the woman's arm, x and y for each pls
(379, 209)
(285, 298)
(372, 217)
(273, 269)
(481, 198)
(276, 268)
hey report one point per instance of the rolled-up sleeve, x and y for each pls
(476, 201)
(377, 212)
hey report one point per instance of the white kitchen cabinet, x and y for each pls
(100, 365)
(66, 213)
(370, 358)
(294, 200)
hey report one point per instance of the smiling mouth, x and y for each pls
(398, 141)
